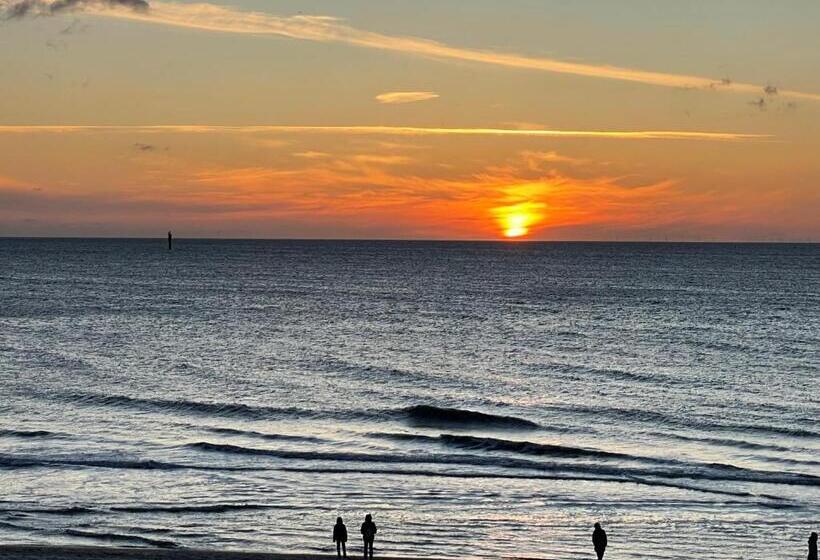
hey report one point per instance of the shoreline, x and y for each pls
(82, 552)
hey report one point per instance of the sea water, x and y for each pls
(478, 399)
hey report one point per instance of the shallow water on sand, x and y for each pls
(242, 394)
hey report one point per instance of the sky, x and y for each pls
(643, 120)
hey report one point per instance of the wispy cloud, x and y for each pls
(212, 17)
(312, 155)
(378, 159)
(536, 159)
(366, 130)
(399, 97)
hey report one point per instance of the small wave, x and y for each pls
(505, 476)
(205, 508)
(787, 461)
(186, 407)
(220, 409)
(474, 443)
(434, 416)
(20, 462)
(64, 511)
(117, 537)
(656, 418)
(261, 435)
(582, 371)
(712, 472)
(369, 371)
(16, 527)
(741, 444)
(26, 433)
(769, 430)
(419, 415)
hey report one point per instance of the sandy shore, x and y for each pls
(40, 552)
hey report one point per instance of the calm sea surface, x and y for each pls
(478, 399)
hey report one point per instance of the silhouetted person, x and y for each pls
(368, 534)
(340, 537)
(813, 546)
(170, 240)
(599, 541)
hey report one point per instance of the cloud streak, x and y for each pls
(399, 97)
(365, 130)
(211, 17)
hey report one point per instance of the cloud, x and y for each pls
(320, 198)
(367, 130)
(15, 9)
(312, 155)
(212, 17)
(377, 159)
(399, 97)
(512, 199)
(535, 159)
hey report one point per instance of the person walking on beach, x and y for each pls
(340, 538)
(813, 546)
(368, 534)
(599, 541)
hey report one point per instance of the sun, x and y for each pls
(516, 225)
(516, 220)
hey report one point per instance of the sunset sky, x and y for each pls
(422, 119)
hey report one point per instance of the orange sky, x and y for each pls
(353, 121)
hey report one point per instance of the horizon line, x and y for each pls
(163, 237)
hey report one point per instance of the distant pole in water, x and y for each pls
(170, 240)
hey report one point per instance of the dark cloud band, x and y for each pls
(16, 9)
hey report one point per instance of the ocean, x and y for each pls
(478, 399)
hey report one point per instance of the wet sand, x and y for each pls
(41, 552)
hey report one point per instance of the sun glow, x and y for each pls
(517, 226)
(516, 220)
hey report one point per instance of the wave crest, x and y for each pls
(434, 416)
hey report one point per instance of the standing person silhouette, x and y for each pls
(340, 537)
(368, 534)
(599, 541)
(813, 546)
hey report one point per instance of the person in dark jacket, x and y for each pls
(340, 537)
(599, 541)
(368, 534)
(813, 546)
